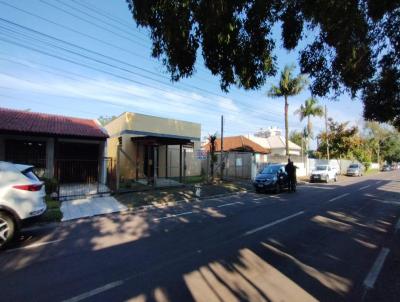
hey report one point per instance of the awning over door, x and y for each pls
(155, 140)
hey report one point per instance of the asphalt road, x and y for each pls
(325, 242)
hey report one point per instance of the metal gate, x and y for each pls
(80, 178)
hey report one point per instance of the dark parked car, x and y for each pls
(271, 178)
(386, 168)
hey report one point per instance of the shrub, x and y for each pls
(51, 185)
(367, 165)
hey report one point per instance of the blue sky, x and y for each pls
(107, 69)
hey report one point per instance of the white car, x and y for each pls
(324, 173)
(22, 196)
(355, 170)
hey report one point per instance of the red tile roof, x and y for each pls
(25, 122)
(237, 143)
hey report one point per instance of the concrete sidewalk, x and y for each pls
(87, 207)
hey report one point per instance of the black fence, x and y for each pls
(84, 177)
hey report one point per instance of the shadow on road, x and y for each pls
(324, 255)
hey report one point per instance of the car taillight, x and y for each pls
(32, 188)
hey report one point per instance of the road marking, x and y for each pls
(378, 182)
(34, 245)
(272, 224)
(174, 215)
(338, 197)
(362, 188)
(376, 268)
(228, 204)
(95, 291)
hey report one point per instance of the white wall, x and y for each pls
(375, 166)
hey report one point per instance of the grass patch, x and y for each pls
(191, 179)
(53, 213)
(371, 171)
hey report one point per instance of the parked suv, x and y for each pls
(22, 197)
(324, 173)
(355, 170)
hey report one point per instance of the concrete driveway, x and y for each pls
(90, 206)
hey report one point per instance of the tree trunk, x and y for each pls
(286, 126)
(309, 132)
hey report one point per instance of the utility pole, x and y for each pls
(222, 147)
(326, 132)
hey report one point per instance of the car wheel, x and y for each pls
(277, 189)
(7, 229)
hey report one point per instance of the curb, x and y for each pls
(177, 202)
(129, 211)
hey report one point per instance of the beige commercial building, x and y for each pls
(154, 150)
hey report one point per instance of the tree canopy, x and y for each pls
(351, 45)
(343, 140)
(307, 110)
(296, 137)
(104, 120)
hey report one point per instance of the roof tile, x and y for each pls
(48, 124)
(235, 143)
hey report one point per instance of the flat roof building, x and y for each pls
(152, 150)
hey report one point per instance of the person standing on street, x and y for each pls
(291, 174)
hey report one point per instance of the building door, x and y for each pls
(149, 161)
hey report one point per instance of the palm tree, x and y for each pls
(309, 109)
(288, 86)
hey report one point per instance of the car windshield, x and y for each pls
(353, 166)
(321, 168)
(270, 170)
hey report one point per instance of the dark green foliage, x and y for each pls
(352, 46)
(51, 185)
(343, 140)
(391, 148)
(296, 137)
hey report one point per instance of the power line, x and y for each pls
(105, 56)
(128, 51)
(102, 13)
(110, 65)
(108, 16)
(73, 30)
(235, 112)
(98, 19)
(93, 24)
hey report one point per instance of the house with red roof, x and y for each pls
(70, 149)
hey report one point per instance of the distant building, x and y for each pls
(272, 139)
(271, 131)
(238, 143)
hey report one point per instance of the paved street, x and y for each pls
(321, 243)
